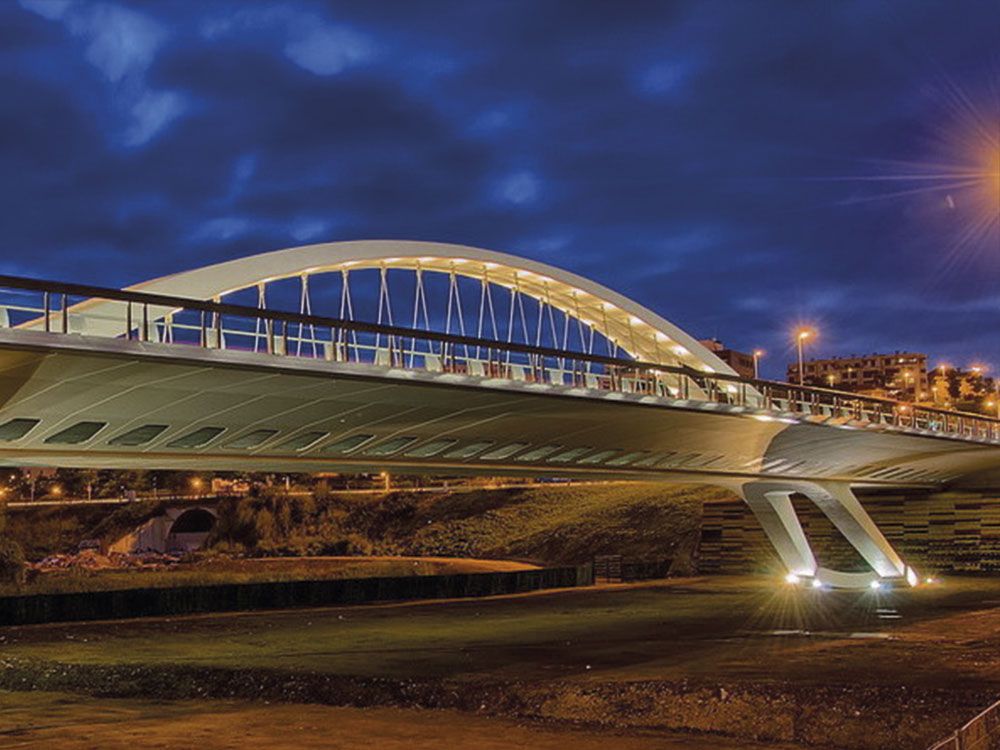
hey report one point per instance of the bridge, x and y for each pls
(417, 357)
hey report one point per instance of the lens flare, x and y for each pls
(958, 183)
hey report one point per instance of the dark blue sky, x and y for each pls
(706, 158)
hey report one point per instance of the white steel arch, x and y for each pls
(633, 328)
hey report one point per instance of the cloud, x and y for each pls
(520, 188)
(151, 113)
(310, 229)
(221, 228)
(53, 10)
(664, 78)
(309, 40)
(328, 50)
(121, 44)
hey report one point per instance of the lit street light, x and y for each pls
(757, 354)
(802, 334)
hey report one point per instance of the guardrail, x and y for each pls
(980, 733)
(57, 308)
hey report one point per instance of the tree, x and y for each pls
(11, 555)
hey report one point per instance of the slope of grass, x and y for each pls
(552, 524)
(547, 524)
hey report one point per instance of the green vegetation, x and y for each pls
(552, 524)
(11, 554)
(48, 530)
(270, 522)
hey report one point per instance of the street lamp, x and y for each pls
(802, 334)
(757, 354)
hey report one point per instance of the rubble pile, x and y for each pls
(94, 560)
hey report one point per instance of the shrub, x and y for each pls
(12, 568)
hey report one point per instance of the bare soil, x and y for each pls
(55, 721)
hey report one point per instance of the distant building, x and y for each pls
(899, 375)
(741, 362)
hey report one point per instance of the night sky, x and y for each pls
(738, 166)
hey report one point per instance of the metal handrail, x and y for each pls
(982, 732)
(619, 372)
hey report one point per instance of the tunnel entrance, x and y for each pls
(190, 530)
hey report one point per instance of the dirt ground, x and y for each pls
(55, 721)
(751, 658)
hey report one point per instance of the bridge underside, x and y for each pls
(126, 404)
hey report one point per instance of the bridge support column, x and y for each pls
(771, 504)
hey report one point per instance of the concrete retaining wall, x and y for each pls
(947, 532)
(182, 600)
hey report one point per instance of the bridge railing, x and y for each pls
(71, 309)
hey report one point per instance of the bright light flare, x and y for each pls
(958, 178)
(875, 585)
(792, 579)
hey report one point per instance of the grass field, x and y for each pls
(219, 570)
(748, 657)
(671, 630)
